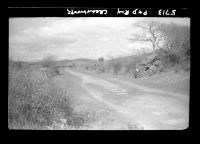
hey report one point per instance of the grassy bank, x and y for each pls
(36, 101)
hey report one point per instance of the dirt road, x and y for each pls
(153, 109)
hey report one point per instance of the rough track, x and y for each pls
(152, 109)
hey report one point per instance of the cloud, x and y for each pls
(85, 36)
(71, 37)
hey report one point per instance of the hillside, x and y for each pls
(77, 62)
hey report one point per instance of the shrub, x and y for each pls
(100, 69)
(35, 100)
(52, 69)
(186, 65)
(132, 65)
(117, 66)
(170, 59)
(17, 65)
(48, 61)
(101, 59)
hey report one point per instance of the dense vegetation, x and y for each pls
(174, 53)
(35, 100)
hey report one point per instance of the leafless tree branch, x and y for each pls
(151, 33)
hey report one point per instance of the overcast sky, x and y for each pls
(32, 39)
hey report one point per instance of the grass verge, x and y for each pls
(36, 101)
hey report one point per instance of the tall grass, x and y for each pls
(35, 100)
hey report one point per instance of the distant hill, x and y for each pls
(124, 60)
(84, 61)
(128, 59)
(80, 61)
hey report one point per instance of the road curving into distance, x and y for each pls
(153, 109)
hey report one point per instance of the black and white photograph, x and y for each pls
(99, 73)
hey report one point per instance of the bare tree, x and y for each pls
(176, 37)
(150, 33)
